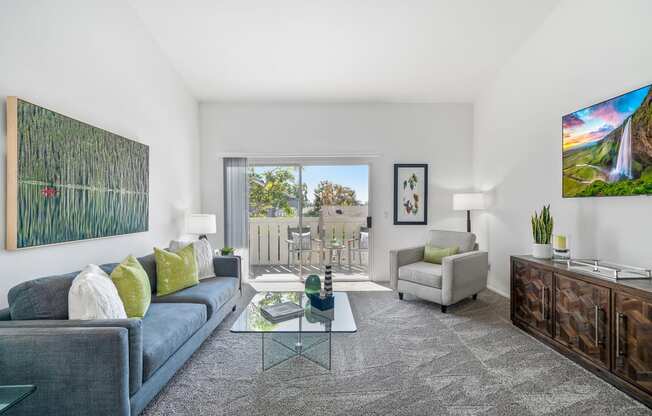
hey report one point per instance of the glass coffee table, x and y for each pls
(308, 336)
(12, 395)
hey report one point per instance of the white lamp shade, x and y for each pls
(201, 224)
(469, 201)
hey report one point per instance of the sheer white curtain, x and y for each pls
(236, 202)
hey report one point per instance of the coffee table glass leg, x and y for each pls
(278, 348)
(317, 348)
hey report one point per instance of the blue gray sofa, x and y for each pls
(106, 367)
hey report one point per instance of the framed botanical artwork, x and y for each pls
(410, 194)
(69, 181)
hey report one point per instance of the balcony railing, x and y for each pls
(268, 237)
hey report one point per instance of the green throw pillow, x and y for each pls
(132, 283)
(175, 271)
(433, 254)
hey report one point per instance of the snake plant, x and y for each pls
(542, 226)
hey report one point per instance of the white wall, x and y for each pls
(438, 134)
(94, 62)
(585, 52)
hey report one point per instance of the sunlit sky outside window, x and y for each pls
(355, 177)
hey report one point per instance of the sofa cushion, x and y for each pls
(212, 292)
(440, 238)
(149, 264)
(43, 298)
(422, 273)
(47, 297)
(166, 327)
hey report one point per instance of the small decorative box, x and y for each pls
(322, 304)
(325, 315)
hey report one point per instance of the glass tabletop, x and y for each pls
(252, 319)
(10, 395)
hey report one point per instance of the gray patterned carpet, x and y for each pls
(407, 358)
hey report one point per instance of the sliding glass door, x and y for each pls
(303, 216)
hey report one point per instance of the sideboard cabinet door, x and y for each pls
(582, 318)
(633, 344)
(532, 292)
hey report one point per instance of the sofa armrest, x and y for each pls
(134, 328)
(75, 370)
(5, 315)
(401, 257)
(228, 266)
(463, 275)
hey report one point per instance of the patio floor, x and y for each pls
(283, 273)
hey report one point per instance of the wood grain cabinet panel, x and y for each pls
(532, 290)
(602, 324)
(633, 331)
(582, 318)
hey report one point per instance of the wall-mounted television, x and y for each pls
(607, 147)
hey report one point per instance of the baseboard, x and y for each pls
(499, 292)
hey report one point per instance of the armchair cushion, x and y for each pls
(441, 238)
(423, 273)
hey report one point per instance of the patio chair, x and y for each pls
(302, 241)
(359, 245)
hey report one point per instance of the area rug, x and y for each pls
(407, 358)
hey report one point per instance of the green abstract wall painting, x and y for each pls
(69, 181)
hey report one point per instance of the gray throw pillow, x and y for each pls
(203, 255)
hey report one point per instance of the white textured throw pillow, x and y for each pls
(203, 255)
(94, 296)
(302, 239)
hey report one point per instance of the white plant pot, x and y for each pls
(542, 251)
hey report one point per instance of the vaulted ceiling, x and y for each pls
(340, 50)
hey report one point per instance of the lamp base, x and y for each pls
(468, 221)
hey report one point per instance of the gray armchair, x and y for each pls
(458, 277)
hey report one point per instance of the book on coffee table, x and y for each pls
(281, 311)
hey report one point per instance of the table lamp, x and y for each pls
(467, 202)
(201, 224)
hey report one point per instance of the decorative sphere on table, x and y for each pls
(313, 285)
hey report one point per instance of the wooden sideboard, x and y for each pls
(604, 325)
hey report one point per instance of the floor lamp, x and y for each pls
(467, 202)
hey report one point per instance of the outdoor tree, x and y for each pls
(274, 189)
(328, 193)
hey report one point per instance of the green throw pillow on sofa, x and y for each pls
(175, 271)
(433, 254)
(134, 290)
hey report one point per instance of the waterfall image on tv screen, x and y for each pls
(607, 148)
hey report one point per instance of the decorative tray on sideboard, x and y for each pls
(608, 270)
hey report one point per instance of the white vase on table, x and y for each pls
(542, 251)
